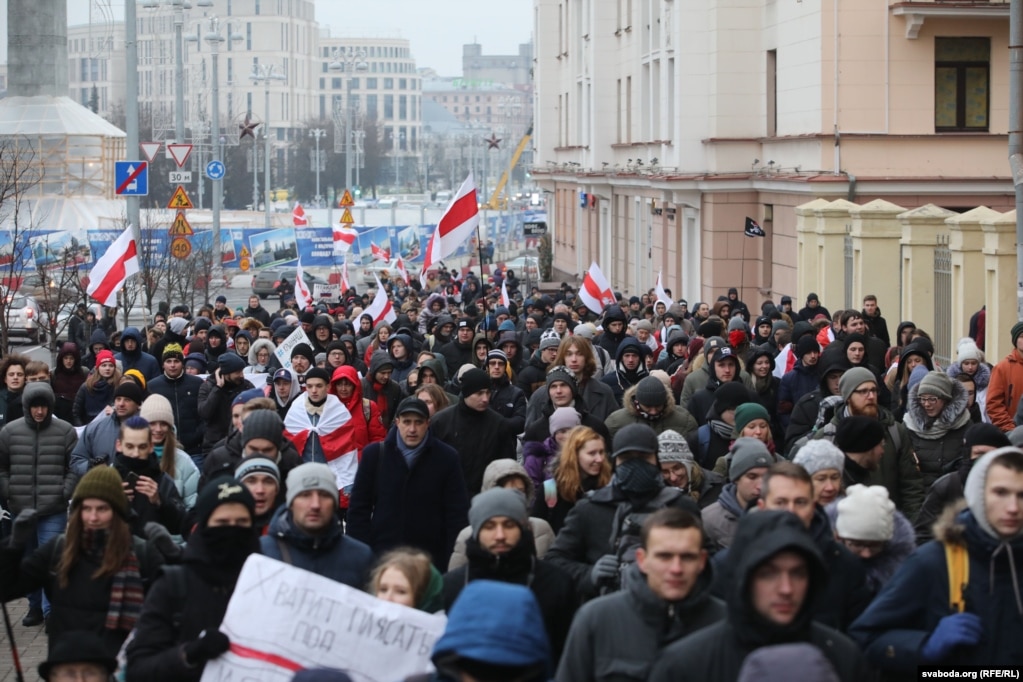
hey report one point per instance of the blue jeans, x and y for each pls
(47, 528)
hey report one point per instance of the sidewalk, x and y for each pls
(32, 643)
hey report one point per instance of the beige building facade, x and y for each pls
(660, 126)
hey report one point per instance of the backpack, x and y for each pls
(957, 559)
(625, 528)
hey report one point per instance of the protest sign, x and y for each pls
(326, 291)
(282, 619)
(283, 351)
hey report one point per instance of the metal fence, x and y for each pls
(942, 332)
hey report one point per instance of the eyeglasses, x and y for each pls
(928, 399)
(866, 391)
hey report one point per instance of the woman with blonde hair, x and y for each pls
(406, 576)
(582, 466)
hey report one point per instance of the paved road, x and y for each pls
(32, 643)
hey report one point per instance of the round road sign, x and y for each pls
(215, 170)
(181, 248)
(245, 265)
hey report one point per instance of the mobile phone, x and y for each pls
(133, 479)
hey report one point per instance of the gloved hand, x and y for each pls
(952, 631)
(209, 645)
(163, 541)
(24, 527)
(605, 571)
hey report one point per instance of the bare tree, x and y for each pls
(19, 175)
(154, 260)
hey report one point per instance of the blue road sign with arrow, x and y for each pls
(131, 178)
(215, 170)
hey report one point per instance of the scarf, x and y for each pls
(645, 415)
(410, 454)
(722, 429)
(381, 400)
(126, 594)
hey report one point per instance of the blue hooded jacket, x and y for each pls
(515, 638)
(137, 359)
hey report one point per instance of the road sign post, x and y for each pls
(131, 178)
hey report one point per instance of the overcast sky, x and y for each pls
(437, 29)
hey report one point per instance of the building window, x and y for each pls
(228, 7)
(248, 102)
(388, 84)
(248, 35)
(962, 77)
(388, 107)
(353, 84)
(402, 108)
(371, 83)
(335, 83)
(371, 106)
(257, 7)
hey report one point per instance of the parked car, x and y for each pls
(265, 282)
(22, 319)
(524, 266)
(46, 290)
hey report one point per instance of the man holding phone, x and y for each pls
(216, 395)
(151, 493)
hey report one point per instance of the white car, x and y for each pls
(523, 266)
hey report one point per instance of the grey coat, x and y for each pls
(35, 458)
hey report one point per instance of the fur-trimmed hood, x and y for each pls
(981, 378)
(630, 407)
(954, 416)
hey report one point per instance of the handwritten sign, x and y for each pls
(283, 351)
(326, 291)
(282, 619)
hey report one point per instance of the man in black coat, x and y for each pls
(479, 434)
(458, 351)
(216, 395)
(506, 399)
(501, 548)
(409, 489)
(777, 580)
(182, 391)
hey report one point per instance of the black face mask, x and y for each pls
(227, 547)
(638, 478)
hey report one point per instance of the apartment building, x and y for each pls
(660, 126)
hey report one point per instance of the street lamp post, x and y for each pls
(265, 73)
(316, 134)
(346, 61)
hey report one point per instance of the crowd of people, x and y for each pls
(651, 492)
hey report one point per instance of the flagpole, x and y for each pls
(742, 274)
(483, 280)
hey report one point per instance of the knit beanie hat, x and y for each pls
(968, 350)
(672, 447)
(102, 483)
(196, 361)
(136, 376)
(497, 355)
(305, 351)
(746, 454)
(1017, 329)
(634, 438)
(985, 434)
(131, 391)
(651, 392)
(858, 434)
(202, 323)
(563, 418)
(746, 413)
(935, 383)
(222, 490)
(806, 344)
(852, 379)
(737, 324)
(231, 362)
(562, 373)
(156, 408)
(549, 339)
(177, 325)
(311, 476)
(474, 380)
(318, 373)
(818, 455)
(173, 350)
(104, 356)
(257, 465)
(866, 513)
(262, 424)
(730, 396)
(498, 502)
(711, 344)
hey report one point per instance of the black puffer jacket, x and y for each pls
(34, 458)
(479, 438)
(215, 409)
(183, 395)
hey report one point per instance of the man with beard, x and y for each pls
(501, 548)
(589, 547)
(897, 469)
(178, 630)
(216, 395)
(182, 392)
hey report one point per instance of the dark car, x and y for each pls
(265, 282)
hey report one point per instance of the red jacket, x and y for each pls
(1004, 390)
(365, 431)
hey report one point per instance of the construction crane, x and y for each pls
(496, 203)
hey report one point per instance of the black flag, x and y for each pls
(753, 229)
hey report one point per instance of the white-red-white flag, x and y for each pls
(659, 291)
(303, 297)
(298, 218)
(457, 225)
(345, 286)
(380, 253)
(344, 237)
(114, 267)
(596, 292)
(505, 300)
(381, 309)
(400, 267)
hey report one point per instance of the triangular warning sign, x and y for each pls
(346, 200)
(150, 149)
(179, 199)
(180, 153)
(346, 217)
(245, 251)
(180, 227)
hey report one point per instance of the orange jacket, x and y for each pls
(1004, 391)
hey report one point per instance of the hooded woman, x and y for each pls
(261, 357)
(178, 629)
(68, 377)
